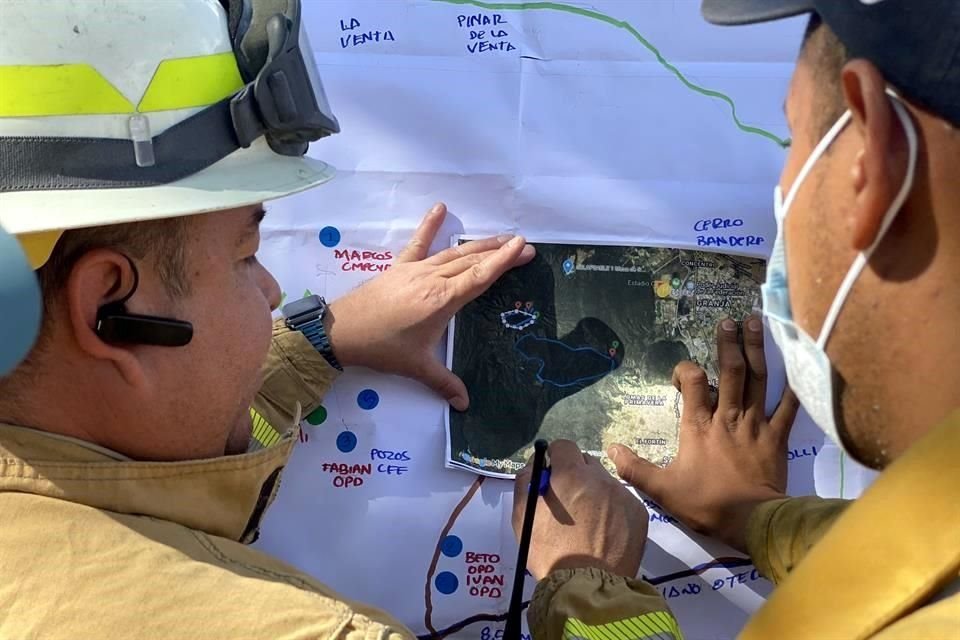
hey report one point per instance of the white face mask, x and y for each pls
(808, 368)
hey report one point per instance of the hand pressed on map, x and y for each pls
(732, 456)
(587, 519)
(394, 322)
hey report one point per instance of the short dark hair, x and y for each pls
(160, 240)
(827, 56)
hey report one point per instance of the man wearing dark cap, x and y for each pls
(861, 297)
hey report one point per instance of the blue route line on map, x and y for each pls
(543, 364)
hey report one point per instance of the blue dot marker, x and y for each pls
(446, 583)
(329, 236)
(368, 399)
(451, 546)
(346, 441)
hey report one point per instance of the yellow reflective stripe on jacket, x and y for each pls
(263, 431)
(658, 625)
(181, 83)
(57, 90)
(28, 91)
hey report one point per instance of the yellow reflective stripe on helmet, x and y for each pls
(57, 90)
(658, 625)
(263, 431)
(33, 91)
(181, 83)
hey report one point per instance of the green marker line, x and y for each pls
(626, 26)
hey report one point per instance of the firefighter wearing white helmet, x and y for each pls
(144, 435)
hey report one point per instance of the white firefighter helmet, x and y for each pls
(115, 111)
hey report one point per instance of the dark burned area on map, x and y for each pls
(562, 347)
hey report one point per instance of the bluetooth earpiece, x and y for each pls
(116, 326)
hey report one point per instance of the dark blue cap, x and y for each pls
(914, 43)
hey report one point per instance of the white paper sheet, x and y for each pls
(577, 133)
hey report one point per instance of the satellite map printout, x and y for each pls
(581, 344)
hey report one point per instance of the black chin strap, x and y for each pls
(116, 326)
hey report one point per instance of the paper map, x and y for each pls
(613, 122)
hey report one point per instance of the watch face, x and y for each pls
(311, 305)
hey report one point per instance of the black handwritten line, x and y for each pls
(458, 626)
(720, 563)
(427, 590)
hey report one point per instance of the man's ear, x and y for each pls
(880, 165)
(98, 278)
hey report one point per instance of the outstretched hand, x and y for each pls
(394, 322)
(732, 456)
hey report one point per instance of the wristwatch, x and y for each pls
(306, 316)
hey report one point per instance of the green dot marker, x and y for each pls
(616, 344)
(319, 416)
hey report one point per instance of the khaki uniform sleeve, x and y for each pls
(595, 605)
(781, 532)
(294, 373)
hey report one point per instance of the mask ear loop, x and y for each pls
(782, 205)
(818, 151)
(861, 260)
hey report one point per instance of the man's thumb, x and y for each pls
(632, 468)
(446, 383)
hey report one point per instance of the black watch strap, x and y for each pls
(317, 335)
(306, 316)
